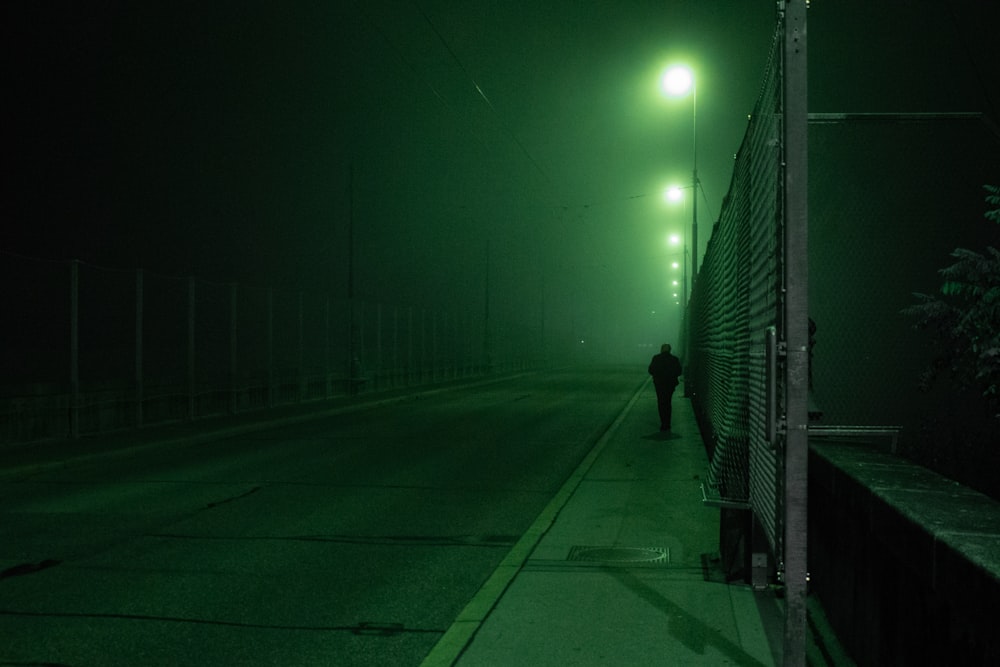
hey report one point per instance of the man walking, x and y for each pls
(665, 369)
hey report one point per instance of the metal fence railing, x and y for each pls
(86, 349)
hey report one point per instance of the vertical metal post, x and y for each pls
(378, 344)
(435, 360)
(361, 353)
(74, 348)
(795, 127)
(138, 347)
(694, 179)
(327, 369)
(423, 345)
(409, 343)
(352, 354)
(271, 388)
(487, 352)
(233, 326)
(192, 387)
(395, 344)
(301, 350)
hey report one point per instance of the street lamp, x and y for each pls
(674, 240)
(676, 82)
(674, 194)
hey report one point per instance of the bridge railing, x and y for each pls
(87, 349)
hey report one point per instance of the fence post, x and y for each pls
(327, 370)
(270, 347)
(233, 382)
(192, 388)
(301, 355)
(74, 348)
(435, 360)
(395, 345)
(377, 372)
(362, 352)
(795, 129)
(423, 345)
(409, 343)
(138, 347)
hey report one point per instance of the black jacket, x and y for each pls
(665, 369)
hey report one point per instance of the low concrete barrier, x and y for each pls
(905, 562)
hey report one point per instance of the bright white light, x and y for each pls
(677, 80)
(674, 239)
(673, 193)
(676, 265)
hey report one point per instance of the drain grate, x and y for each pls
(658, 555)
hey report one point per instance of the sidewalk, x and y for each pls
(621, 569)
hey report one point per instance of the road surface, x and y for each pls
(349, 540)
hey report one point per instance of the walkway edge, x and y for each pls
(461, 632)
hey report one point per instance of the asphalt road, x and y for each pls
(349, 540)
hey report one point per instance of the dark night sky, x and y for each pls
(232, 140)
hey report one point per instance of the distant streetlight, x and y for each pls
(675, 240)
(677, 81)
(674, 194)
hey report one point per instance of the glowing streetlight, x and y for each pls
(677, 81)
(677, 240)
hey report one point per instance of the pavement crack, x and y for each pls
(232, 498)
(29, 568)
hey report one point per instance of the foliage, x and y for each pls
(964, 318)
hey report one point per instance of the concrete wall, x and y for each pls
(905, 562)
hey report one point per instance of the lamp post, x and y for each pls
(677, 81)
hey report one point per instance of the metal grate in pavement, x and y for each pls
(620, 555)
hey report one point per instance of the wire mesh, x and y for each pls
(734, 302)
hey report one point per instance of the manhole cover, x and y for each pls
(620, 554)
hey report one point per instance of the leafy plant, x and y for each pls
(964, 318)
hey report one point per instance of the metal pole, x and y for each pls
(190, 349)
(301, 349)
(74, 348)
(694, 180)
(138, 347)
(327, 368)
(378, 344)
(689, 358)
(487, 362)
(795, 129)
(271, 388)
(233, 328)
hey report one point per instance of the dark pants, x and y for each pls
(664, 395)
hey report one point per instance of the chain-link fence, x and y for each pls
(748, 339)
(890, 196)
(734, 304)
(87, 349)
